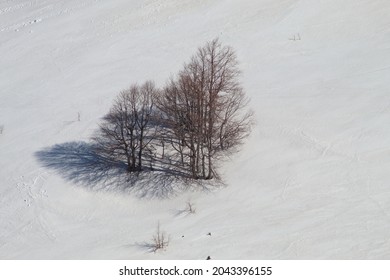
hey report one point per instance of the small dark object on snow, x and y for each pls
(209, 233)
(208, 258)
(182, 236)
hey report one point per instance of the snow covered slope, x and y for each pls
(312, 182)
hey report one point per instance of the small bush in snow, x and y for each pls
(190, 207)
(160, 240)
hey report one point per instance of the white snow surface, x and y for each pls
(311, 182)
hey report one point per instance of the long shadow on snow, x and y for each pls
(79, 163)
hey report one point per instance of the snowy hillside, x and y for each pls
(311, 182)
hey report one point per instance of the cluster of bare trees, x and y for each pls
(198, 118)
(126, 130)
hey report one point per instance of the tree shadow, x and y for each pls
(79, 162)
(148, 247)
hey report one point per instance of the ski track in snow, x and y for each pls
(32, 187)
(302, 138)
(50, 11)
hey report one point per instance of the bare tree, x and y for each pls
(127, 129)
(204, 109)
